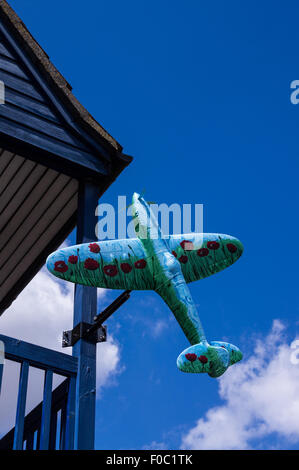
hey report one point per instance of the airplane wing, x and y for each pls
(112, 264)
(201, 255)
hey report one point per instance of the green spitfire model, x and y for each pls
(163, 264)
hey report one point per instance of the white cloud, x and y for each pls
(108, 357)
(39, 315)
(155, 446)
(158, 327)
(261, 396)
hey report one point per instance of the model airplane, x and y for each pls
(165, 265)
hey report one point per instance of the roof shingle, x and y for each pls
(62, 88)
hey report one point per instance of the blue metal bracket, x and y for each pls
(86, 331)
(96, 332)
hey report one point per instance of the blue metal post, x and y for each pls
(46, 412)
(70, 412)
(85, 308)
(19, 427)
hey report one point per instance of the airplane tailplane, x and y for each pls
(214, 358)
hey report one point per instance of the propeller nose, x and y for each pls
(50, 262)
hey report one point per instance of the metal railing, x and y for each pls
(51, 424)
(39, 430)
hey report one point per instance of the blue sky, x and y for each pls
(199, 94)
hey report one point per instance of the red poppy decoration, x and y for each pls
(174, 254)
(73, 259)
(187, 245)
(94, 247)
(140, 264)
(203, 359)
(110, 270)
(60, 266)
(183, 259)
(213, 245)
(203, 252)
(191, 357)
(231, 248)
(126, 268)
(91, 264)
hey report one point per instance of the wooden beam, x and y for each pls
(39, 357)
(78, 168)
(85, 308)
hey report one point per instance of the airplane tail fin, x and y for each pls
(214, 358)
